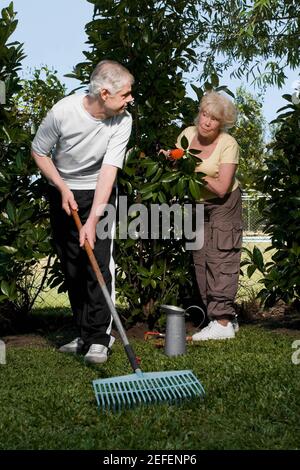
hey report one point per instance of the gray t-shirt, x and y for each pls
(80, 143)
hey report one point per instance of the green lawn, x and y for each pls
(252, 398)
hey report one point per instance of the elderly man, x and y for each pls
(79, 147)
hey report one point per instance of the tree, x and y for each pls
(24, 228)
(37, 94)
(261, 36)
(250, 134)
(280, 181)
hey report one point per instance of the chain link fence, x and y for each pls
(253, 235)
(253, 221)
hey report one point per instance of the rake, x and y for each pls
(140, 388)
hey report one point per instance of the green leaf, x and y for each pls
(195, 151)
(184, 143)
(157, 175)
(258, 259)
(5, 288)
(129, 170)
(187, 166)
(169, 177)
(250, 270)
(9, 290)
(152, 168)
(147, 196)
(194, 189)
(161, 197)
(149, 187)
(8, 249)
(287, 97)
(11, 211)
(198, 91)
(181, 187)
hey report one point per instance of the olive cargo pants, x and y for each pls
(217, 263)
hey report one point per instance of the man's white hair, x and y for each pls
(109, 75)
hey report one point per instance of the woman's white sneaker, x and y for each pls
(214, 330)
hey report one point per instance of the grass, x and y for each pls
(252, 398)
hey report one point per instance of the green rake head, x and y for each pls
(145, 388)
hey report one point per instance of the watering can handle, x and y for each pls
(201, 309)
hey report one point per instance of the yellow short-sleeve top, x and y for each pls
(226, 151)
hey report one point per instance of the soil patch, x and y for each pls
(25, 341)
(54, 332)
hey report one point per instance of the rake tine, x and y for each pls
(120, 399)
(195, 386)
(132, 397)
(116, 403)
(176, 391)
(143, 391)
(182, 385)
(153, 390)
(167, 389)
(124, 393)
(107, 396)
(162, 390)
(159, 390)
(99, 395)
(170, 386)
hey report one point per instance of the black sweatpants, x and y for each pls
(88, 304)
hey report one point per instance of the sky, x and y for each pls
(53, 34)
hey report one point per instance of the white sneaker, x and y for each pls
(74, 346)
(235, 324)
(97, 353)
(214, 330)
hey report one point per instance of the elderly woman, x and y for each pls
(217, 263)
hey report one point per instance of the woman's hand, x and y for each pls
(174, 154)
(166, 153)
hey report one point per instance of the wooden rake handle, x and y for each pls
(128, 349)
(89, 251)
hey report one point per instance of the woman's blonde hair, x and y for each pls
(220, 107)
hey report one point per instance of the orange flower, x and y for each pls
(176, 154)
